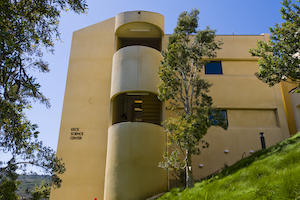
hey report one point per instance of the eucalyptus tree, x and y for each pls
(187, 52)
(26, 26)
(280, 56)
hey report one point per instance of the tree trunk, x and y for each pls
(189, 179)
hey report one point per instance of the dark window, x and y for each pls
(213, 117)
(137, 107)
(149, 42)
(213, 67)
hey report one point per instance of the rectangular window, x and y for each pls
(137, 107)
(148, 42)
(215, 121)
(213, 67)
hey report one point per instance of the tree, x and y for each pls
(182, 87)
(25, 27)
(40, 192)
(280, 57)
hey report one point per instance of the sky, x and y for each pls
(239, 17)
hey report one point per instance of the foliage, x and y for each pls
(8, 183)
(40, 192)
(28, 183)
(272, 173)
(280, 57)
(25, 27)
(181, 85)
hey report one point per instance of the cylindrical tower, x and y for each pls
(136, 140)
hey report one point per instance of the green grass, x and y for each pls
(273, 173)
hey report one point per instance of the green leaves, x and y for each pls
(25, 27)
(280, 60)
(182, 86)
(187, 22)
(184, 58)
(186, 131)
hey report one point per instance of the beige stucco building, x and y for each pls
(110, 137)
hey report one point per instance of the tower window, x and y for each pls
(213, 67)
(137, 107)
(149, 42)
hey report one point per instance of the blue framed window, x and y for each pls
(213, 67)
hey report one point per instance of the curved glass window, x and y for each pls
(137, 107)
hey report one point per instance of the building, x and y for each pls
(110, 138)
(291, 102)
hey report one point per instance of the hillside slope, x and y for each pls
(273, 173)
(28, 182)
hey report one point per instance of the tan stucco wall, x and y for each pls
(135, 69)
(285, 88)
(236, 47)
(86, 106)
(145, 17)
(133, 152)
(295, 101)
(237, 140)
(135, 148)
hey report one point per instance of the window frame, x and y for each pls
(214, 71)
(224, 113)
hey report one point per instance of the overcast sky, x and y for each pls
(239, 17)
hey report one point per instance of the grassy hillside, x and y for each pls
(273, 173)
